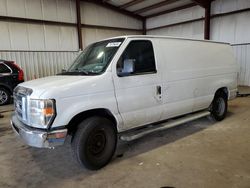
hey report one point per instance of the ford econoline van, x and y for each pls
(119, 88)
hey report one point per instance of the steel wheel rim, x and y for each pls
(3, 97)
(220, 106)
(96, 143)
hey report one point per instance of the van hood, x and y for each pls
(63, 86)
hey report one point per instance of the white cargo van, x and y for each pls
(119, 88)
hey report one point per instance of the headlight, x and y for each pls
(40, 112)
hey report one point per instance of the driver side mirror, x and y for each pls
(128, 67)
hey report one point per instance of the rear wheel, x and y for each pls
(218, 107)
(94, 142)
(4, 96)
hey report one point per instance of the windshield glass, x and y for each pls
(95, 58)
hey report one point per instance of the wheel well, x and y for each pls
(223, 90)
(7, 88)
(101, 112)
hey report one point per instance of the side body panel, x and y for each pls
(192, 71)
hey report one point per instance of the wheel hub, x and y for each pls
(3, 97)
(97, 142)
(220, 106)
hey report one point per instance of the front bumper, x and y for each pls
(36, 137)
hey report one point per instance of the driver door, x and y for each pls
(138, 84)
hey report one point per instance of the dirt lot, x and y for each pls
(197, 154)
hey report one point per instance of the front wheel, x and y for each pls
(218, 107)
(94, 142)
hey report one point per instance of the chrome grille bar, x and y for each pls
(20, 102)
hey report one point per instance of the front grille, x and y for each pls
(20, 102)
(20, 106)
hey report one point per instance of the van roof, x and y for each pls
(165, 37)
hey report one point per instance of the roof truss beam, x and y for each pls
(203, 3)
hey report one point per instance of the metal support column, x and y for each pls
(144, 27)
(78, 20)
(207, 21)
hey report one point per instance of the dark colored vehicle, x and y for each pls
(10, 76)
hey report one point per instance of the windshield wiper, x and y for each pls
(82, 72)
(73, 73)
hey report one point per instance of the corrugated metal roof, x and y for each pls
(118, 3)
(143, 4)
(145, 8)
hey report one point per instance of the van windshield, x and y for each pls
(95, 58)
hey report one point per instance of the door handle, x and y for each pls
(158, 90)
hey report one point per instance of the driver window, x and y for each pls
(137, 58)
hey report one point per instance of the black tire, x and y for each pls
(218, 107)
(94, 142)
(4, 96)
